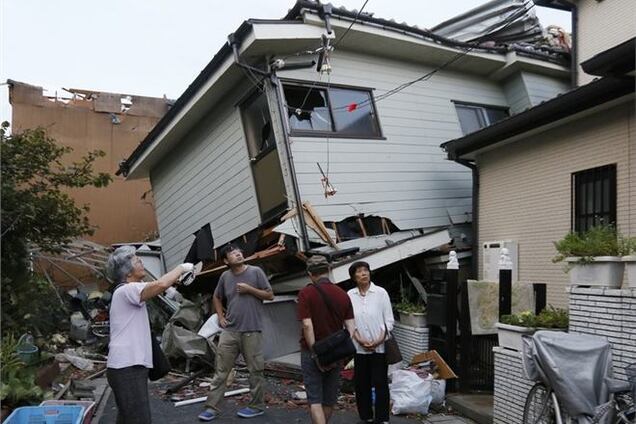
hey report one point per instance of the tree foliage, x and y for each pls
(36, 207)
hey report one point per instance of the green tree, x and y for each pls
(36, 208)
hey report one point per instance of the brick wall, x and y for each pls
(609, 313)
(511, 387)
(411, 340)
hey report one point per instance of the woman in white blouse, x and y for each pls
(373, 318)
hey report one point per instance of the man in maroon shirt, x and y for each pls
(322, 385)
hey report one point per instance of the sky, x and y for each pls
(156, 47)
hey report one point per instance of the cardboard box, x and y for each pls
(445, 372)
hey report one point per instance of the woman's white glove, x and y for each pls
(186, 267)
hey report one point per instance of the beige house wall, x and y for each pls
(603, 25)
(525, 189)
(97, 122)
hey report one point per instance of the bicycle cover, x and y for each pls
(574, 365)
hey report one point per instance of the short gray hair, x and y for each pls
(120, 263)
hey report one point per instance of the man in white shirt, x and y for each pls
(374, 319)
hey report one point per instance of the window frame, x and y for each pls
(331, 134)
(482, 108)
(591, 176)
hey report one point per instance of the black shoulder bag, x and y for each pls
(160, 364)
(336, 346)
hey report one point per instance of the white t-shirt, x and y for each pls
(372, 313)
(129, 328)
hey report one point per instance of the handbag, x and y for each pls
(391, 349)
(336, 346)
(160, 364)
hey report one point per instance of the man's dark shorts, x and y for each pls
(321, 387)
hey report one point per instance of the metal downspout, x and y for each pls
(475, 211)
(290, 161)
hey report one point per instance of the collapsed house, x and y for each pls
(319, 133)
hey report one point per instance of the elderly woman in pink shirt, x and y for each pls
(373, 318)
(130, 349)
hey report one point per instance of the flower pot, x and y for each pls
(604, 271)
(510, 335)
(630, 269)
(414, 319)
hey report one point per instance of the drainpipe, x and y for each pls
(233, 42)
(475, 223)
(574, 57)
(290, 160)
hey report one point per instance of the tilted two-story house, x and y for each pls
(339, 110)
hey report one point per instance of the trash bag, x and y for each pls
(210, 327)
(438, 391)
(410, 393)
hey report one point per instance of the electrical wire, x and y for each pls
(476, 44)
(339, 40)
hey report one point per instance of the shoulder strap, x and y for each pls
(327, 301)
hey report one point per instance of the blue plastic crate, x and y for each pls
(46, 415)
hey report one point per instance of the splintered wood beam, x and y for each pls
(361, 224)
(322, 230)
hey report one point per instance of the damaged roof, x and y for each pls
(295, 15)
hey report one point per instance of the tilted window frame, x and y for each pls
(332, 134)
(483, 108)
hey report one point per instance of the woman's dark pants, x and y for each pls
(130, 386)
(371, 372)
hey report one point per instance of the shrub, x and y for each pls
(597, 241)
(550, 317)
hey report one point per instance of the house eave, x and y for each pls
(257, 38)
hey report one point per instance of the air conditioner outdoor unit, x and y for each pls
(491, 251)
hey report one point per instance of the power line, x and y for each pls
(339, 40)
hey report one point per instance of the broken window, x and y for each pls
(474, 117)
(257, 123)
(594, 198)
(331, 111)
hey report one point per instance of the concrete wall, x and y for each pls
(525, 189)
(603, 25)
(118, 211)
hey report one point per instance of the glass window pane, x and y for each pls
(307, 108)
(495, 115)
(257, 125)
(353, 112)
(470, 118)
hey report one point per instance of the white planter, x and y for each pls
(604, 271)
(414, 319)
(510, 335)
(630, 269)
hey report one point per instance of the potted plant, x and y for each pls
(413, 314)
(593, 257)
(511, 328)
(629, 250)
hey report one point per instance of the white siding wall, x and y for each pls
(405, 177)
(524, 90)
(541, 88)
(525, 189)
(206, 179)
(516, 93)
(603, 25)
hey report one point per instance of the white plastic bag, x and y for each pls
(210, 327)
(438, 391)
(410, 393)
